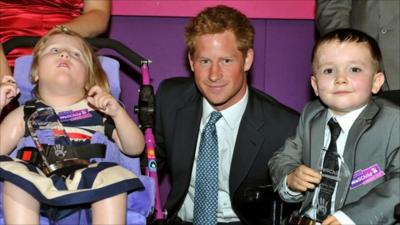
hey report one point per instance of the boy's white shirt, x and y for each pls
(345, 122)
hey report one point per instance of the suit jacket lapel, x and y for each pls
(186, 133)
(247, 146)
(361, 124)
(317, 133)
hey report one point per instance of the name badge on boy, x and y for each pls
(367, 175)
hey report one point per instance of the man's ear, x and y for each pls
(191, 62)
(314, 84)
(248, 61)
(377, 82)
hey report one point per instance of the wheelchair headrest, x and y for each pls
(22, 72)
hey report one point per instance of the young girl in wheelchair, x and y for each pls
(72, 120)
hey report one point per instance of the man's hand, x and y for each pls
(303, 178)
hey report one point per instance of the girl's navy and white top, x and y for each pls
(101, 179)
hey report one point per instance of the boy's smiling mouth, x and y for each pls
(342, 92)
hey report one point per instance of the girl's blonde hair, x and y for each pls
(97, 76)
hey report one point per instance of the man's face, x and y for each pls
(220, 69)
(345, 76)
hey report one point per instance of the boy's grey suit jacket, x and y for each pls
(373, 138)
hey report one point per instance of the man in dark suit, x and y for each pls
(253, 125)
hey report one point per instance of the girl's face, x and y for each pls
(61, 66)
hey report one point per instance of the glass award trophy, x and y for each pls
(51, 141)
(308, 214)
(329, 183)
(41, 128)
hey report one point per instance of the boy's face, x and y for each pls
(345, 76)
(220, 69)
(62, 65)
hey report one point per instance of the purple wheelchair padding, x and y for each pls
(22, 73)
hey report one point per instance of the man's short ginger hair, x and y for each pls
(218, 19)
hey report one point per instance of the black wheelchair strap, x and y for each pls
(109, 127)
(31, 154)
(80, 152)
(29, 108)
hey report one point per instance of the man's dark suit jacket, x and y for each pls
(263, 129)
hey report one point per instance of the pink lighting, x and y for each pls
(255, 9)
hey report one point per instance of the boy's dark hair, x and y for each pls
(218, 19)
(351, 35)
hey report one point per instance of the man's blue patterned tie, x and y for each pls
(206, 183)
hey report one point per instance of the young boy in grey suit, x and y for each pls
(346, 73)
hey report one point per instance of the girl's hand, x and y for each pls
(103, 101)
(8, 90)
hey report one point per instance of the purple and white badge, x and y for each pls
(73, 115)
(367, 175)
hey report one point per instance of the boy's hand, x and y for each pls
(103, 101)
(8, 90)
(331, 220)
(303, 178)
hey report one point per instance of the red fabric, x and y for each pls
(33, 18)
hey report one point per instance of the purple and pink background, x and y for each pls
(283, 44)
